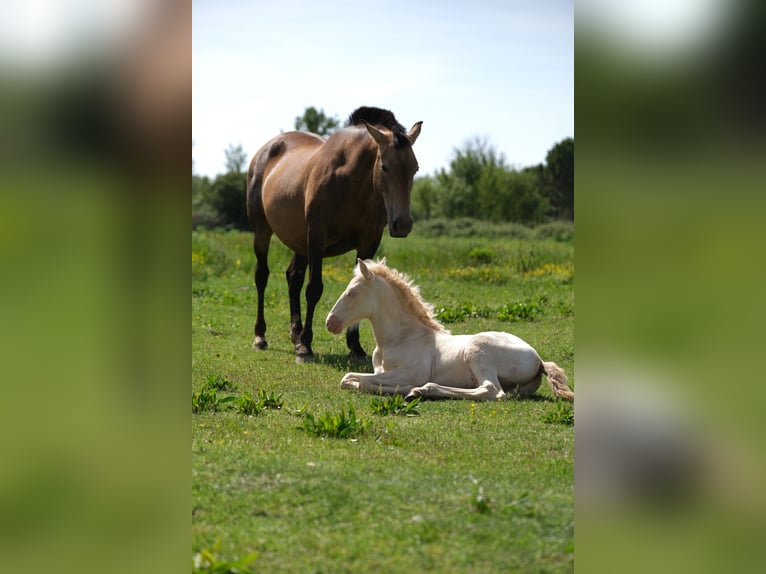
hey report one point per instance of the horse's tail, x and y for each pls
(558, 381)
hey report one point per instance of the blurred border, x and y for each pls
(94, 217)
(670, 180)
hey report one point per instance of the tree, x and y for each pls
(557, 178)
(315, 121)
(228, 193)
(236, 158)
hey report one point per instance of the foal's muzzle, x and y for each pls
(333, 324)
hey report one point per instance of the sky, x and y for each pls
(500, 70)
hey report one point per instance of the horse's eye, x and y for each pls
(384, 167)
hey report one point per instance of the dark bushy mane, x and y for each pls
(382, 118)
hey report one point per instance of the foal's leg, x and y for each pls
(396, 382)
(529, 389)
(295, 275)
(261, 240)
(488, 389)
(377, 360)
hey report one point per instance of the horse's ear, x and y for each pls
(363, 268)
(377, 135)
(414, 132)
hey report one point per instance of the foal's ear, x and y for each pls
(378, 136)
(382, 261)
(414, 132)
(363, 268)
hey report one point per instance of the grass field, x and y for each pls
(456, 486)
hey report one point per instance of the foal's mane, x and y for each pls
(408, 293)
(382, 118)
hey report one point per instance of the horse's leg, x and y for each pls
(303, 352)
(352, 340)
(261, 240)
(295, 275)
(352, 333)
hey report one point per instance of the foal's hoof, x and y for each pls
(260, 344)
(413, 394)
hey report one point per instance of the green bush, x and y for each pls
(228, 196)
(335, 425)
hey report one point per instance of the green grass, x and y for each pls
(395, 405)
(462, 487)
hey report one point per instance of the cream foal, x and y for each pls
(417, 357)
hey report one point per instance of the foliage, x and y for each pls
(341, 424)
(481, 255)
(236, 159)
(315, 121)
(228, 196)
(526, 310)
(522, 310)
(247, 404)
(479, 184)
(269, 400)
(206, 399)
(479, 499)
(205, 561)
(218, 383)
(395, 405)
(562, 413)
(557, 178)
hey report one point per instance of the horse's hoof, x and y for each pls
(303, 355)
(260, 344)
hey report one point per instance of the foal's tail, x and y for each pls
(557, 381)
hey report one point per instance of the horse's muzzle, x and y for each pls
(400, 227)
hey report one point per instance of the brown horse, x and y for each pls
(326, 197)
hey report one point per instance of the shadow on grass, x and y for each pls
(345, 362)
(536, 398)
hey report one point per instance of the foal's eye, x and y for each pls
(384, 167)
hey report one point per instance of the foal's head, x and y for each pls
(393, 173)
(378, 288)
(355, 303)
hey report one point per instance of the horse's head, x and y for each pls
(356, 302)
(394, 170)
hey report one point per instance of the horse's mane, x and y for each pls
(382, 118)
(408, 293)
